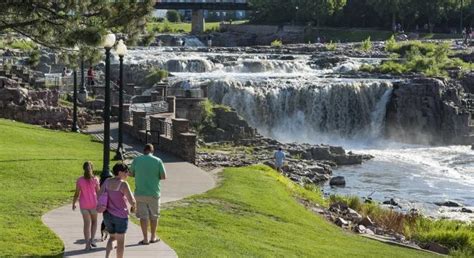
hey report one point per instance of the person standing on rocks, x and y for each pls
(148, 171)
(279, 159)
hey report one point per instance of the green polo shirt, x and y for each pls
(147, 170)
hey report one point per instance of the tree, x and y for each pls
(63, 24)
(280, 11)
(173, 16)
(319, 10)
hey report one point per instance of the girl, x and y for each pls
(116, 215)
(87, 187)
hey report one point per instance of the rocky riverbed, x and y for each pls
(305, 163)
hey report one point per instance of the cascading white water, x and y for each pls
(302, 109)
(291, 99)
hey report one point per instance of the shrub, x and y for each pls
(366, 68)
(34, 58)
(173, 16)
(155, 76)
(148, 39)
(391, 44)
(366, 45)
(331, 46)
(22, 44)
(277, 43)
(167, 27)
(457, 236)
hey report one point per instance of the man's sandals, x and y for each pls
(151, 242)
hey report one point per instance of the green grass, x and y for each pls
(183, 26)
(38, 169)
(20, 44)
(359, 35)
(457, 236)
(178, 27)
(254, 214)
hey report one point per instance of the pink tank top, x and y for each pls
(116, 204)
(88, 196)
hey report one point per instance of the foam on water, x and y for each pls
(292, 100)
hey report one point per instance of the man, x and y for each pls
(148, 171)
(279, 159)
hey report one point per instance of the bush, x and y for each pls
(277, 43)
(167, 27)
(34, 58)
(457, 236)
(367, 68)
(366, 45)
(391, 44)
(331, 46)
(173, 16)
(22, 44)
(156, 76)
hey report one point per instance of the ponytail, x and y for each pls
(88, 170)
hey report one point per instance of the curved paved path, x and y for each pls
(184, 179)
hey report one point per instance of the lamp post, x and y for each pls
(108, 43)
(74, 110)
(461, 18)
(83, 89)
(296, 14)
(121, 51)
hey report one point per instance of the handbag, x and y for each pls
(103, 200)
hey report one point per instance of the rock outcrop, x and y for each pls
(39, 107)
(428, 111)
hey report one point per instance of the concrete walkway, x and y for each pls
(184, 179)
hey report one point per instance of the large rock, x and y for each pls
(428, 111)
(449, 204)
(337, 181)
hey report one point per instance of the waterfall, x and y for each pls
(197, 65)
(317, 109)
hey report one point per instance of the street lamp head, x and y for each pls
(109, 41)
(121, 48)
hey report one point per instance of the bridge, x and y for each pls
(198, 7)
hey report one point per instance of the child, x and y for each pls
(87, 187)
(116, 215)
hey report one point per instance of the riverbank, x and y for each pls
(254, 213)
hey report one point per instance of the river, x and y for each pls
(292, 99)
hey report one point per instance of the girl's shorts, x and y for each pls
(89, 211)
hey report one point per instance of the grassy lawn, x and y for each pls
(38, 169)
(358, 35)
(253, 213)
(184, 27)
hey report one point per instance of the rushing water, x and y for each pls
(292, 99)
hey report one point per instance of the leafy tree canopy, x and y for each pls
(64, 23)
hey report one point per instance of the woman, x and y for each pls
(87, 187)
(90, 77)
(116, 215)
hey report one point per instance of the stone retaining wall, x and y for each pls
(170, 136)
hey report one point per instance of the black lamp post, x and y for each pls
(109, 42)
(121, 51)
(83, 90)
(75, 128)
(74, 110)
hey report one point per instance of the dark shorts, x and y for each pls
(114, 224)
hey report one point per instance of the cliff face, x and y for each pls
(428, 111)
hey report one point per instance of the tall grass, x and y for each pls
(457, 236)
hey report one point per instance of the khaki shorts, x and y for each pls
(148, 207)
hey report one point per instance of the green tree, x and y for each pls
(390, 8)
(62, 24)
(280, 11)
(173, 16)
